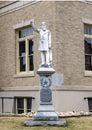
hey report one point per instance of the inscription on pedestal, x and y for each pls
(45, 95)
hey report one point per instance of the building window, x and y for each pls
(88, 47)
(23, 104)
(25, 50)
(90, 104)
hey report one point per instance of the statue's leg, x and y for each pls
(47, 58)
(42, 57)
(50, 54)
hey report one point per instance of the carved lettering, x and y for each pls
(45, 95)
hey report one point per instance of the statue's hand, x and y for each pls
(34, 27)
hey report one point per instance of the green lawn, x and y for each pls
(16, 123)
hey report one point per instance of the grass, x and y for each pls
(16, 123)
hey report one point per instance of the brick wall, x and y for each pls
(64, 19)
(8, 44)
(70, 45)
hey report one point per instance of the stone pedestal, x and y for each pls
(46, 110)
(45, 114)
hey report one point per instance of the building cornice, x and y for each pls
(15, 5)
(7, 4)
(19, 4)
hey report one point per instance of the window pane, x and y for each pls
(20, 105)
(31, 51)
(22, 64)
(88, 62)
(22, 55)
(21, 48)
(20, 102)
(20, 111)
(29, 104)
(25, 32)
(88, 29)
(31, 63)
(90, 104)
(88, 46)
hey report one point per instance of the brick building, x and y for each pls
(71, 27)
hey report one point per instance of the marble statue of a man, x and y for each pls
(44, 43)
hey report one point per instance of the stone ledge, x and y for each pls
(45, 70)
(60, 114)
(63, 114)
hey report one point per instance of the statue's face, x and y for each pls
(43, 26)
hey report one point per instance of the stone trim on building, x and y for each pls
(87, 21)
(22, 24)
(16, 5)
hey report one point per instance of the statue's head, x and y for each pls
(43, 26)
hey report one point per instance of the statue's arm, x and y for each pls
(34, 27)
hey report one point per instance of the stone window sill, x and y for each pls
(24, 75)
(88, 74)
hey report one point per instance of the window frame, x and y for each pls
(87, 72)
(25, 109)
(90, 104)
(26, 39)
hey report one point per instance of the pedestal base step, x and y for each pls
(45, 116)
(46, 123)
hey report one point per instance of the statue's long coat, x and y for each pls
(45, 40)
